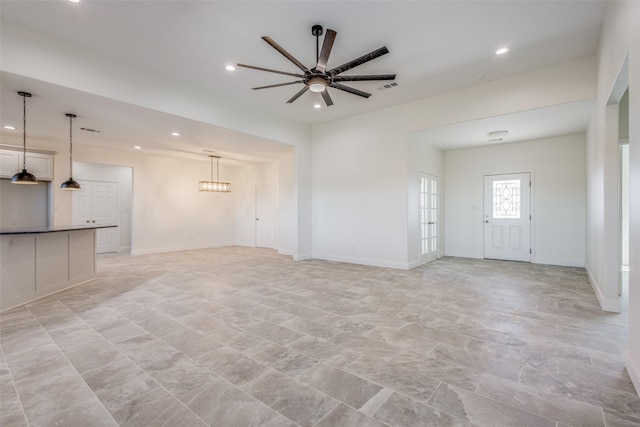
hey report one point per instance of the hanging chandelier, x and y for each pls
(70, 184)
(216, 186)
(24, 177)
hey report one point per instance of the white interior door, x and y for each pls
(428, 218)
(265, 216)
(97, 204)
(507, 217)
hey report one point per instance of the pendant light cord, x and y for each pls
(70, 148)
(24, 131)
(217, 169)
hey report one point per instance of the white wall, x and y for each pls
(124, 177)
(286, 202)
(24, 205)
(558, 196)
(360, 174)
(620, 37)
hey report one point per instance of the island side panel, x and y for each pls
(52, 262)
(18, 269)
(82, 255)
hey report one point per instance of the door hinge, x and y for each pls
(529, 217)
(529, 251)
(529, 183)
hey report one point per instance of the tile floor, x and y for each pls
(245, 337)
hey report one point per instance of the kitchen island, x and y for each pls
(39, 261)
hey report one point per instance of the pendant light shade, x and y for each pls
(216, 186)
(24, 177)
(70, 184)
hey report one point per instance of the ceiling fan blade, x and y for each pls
(364, 77)
(329, 38)
(327, 98)
(350, 90)
(300, 76)
(277, 85)
(286, 54)
(361, 60)
(297, 95)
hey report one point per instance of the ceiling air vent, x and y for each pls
(388, 86)
(90, 130)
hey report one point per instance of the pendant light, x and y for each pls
(70, 184)
(217, 186)
(24, 177)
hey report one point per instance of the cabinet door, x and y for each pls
(8, 163)
(41, 165)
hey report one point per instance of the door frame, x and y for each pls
(532, 243)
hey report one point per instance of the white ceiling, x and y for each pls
(435, 46)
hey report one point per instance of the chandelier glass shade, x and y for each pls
(24, 177)
(215, 186)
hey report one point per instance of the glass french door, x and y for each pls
(428, 217)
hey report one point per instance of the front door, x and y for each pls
(507, 217)
(428, 218)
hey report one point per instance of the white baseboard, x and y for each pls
(286, 252)
(363, 261)
(559, 262)
(633, 368)
(180, 248)
(301, 257)
(611, 304)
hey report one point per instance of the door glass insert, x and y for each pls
(506, 199)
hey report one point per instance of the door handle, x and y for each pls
(88, 221)
(486, 221)
(257, 219)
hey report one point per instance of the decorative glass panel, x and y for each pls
(506, 199)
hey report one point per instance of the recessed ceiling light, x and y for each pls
(317, 106)
(502, 51)
(479, 76)
(137, 147)
(74, 1)
(9, 127)
(230, 68)
(175, 134)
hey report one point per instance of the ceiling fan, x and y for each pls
(318, 78)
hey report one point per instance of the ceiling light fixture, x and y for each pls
(137, 147)
(175, 134)
(317, 106)
(502, 51)
(70, 184)
(497, 135)
(317, 84)
(230, 68)
(24, 177)
(216, 186)
(9, 127)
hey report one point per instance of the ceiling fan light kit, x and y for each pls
(318, 79)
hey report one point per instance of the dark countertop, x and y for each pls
(50, 229)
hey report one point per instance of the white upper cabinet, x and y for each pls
(39, 164)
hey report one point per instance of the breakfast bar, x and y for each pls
(39, 261)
